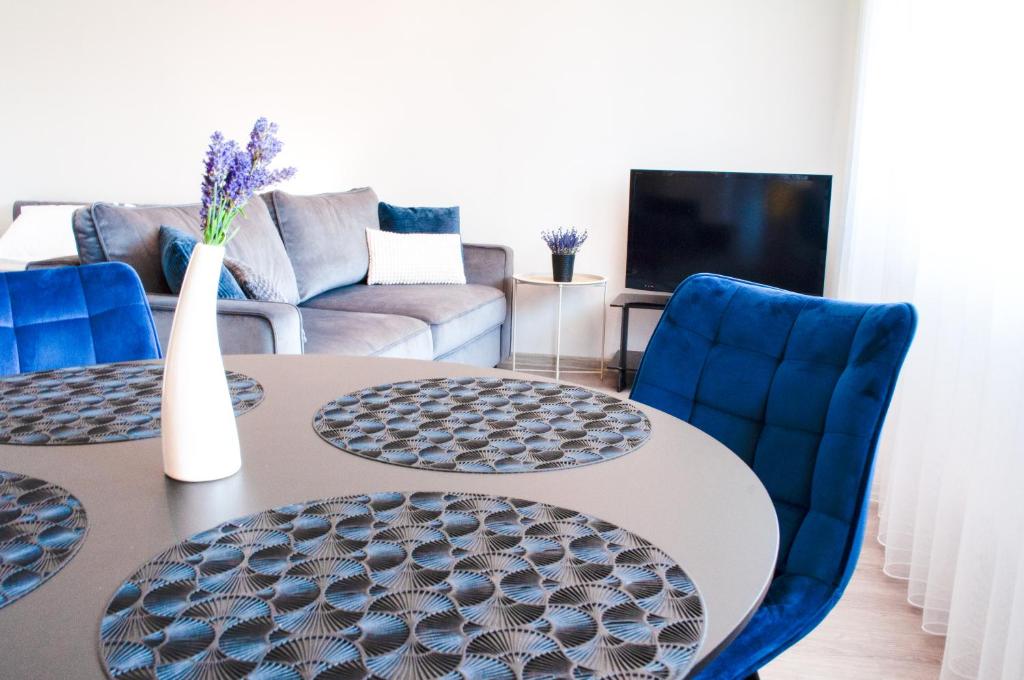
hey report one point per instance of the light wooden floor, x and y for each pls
(872, 633)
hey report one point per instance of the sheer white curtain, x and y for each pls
(935, 218)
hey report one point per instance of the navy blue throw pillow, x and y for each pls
(175, 252)
(418, 220)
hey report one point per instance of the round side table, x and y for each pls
(578, 280)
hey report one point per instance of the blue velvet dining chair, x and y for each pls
(73, 316)
(798, 387)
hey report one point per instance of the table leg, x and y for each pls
(604, 324)
(558, 337)
(512, 340)
(623, 341)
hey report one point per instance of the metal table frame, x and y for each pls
(628, 301)
(579, 280)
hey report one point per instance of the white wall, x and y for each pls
(528, 114)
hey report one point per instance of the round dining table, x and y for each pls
(682, 490)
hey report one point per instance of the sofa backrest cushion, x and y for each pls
(105, 232)
(325, 237)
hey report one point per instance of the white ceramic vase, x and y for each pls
(200, 438)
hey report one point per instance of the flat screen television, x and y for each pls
(761, 227)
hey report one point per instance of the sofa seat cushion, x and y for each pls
(105, 232)
(365, 334)
(455, 314)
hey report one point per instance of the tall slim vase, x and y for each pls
(200, 438)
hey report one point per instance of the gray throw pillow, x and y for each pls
(253, 284)
(325, 237)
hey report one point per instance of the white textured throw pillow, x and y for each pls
(414, 258)
(39, 233)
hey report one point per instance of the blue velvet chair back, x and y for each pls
(796, 386)
(73, 316)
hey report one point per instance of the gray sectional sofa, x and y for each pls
(313, 251)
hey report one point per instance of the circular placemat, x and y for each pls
(41, 529)
(483, 425)
(95, 404)
(419, 585)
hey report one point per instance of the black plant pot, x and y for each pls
(561, 267)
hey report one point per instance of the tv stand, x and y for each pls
(625, 361)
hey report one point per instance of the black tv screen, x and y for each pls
(766, 228)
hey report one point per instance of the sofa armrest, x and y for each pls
(491, 265)
(488, 265)
(68, 261)
(245, 326)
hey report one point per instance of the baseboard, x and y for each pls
(546, 362)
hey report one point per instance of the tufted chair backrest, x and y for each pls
(73, 316)
(796, 386)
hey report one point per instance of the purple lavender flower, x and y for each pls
(219, 157)
(564, 241)
(233, 175)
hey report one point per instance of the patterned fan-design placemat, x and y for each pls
(95, 404)
(483, 425)
(407, 585)
(41, 529)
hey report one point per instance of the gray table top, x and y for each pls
(683, 491)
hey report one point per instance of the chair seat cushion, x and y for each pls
(455, 314)
(792, 606)
(365, 334)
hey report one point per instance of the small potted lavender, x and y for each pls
(564, 244)
(199, 435)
